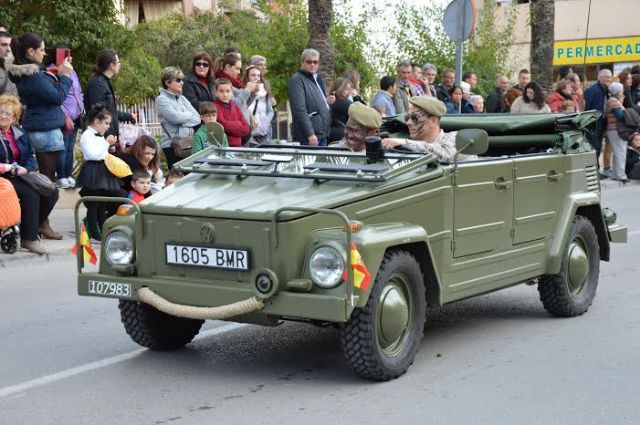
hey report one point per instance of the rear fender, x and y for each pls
(584, 204)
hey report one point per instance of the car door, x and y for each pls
(538, 181)
(483, 207)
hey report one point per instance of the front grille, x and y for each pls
(591, 174)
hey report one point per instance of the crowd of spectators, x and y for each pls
(43, 108)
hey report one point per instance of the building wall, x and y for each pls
(612, 23)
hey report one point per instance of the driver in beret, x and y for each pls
(363, 122)
(425, 134)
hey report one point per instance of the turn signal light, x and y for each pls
(124, 209)
(355, 226)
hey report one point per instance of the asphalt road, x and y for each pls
(497, 359)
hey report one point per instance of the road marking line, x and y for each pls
(58, 376)
(636, 232)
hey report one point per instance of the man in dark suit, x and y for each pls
(309, 102)
(448, 80)
(494, 101)
(595, 97)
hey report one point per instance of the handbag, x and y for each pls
(39, 182)
(253, 120)
(181, 146)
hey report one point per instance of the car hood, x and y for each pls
(255, 198)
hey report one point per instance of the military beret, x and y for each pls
(365, 116)
(430, 105)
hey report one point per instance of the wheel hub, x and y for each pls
(578, 267)
(393, 316)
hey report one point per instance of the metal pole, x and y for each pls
(459, 68)
(459, 49)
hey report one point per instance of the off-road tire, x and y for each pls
(154, 329)
(561, 296)
(361, 345)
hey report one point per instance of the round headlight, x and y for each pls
(118, 248)
(326, 267)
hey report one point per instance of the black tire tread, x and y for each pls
(358, 344)
(553, 290)
(154, 329)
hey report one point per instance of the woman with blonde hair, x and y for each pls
(16, 160)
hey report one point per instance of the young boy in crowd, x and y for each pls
(201, 140)
(174, 175)
(140, 186)
(229, 115)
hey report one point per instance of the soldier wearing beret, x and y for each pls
(425, 134)
(363, 121)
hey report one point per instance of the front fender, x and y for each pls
(585, 204)
(373, 241)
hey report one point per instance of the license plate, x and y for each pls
(217, 258)
(110, 289)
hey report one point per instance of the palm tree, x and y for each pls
(320, 18)
(542, 17)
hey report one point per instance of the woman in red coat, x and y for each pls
(563, 93)
(229, 115)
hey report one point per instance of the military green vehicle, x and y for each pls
(365, 242)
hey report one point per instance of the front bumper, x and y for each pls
(284, 303)
(617, 233)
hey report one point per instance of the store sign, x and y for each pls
(598, 50)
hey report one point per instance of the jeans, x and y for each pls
(619, 148)
(64, 166)
(47, 141)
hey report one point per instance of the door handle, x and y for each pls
(552, 176)
(501, 183)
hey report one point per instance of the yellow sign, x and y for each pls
(597, 50)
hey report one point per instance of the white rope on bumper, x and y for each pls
(200, 313)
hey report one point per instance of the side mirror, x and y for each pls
(472, 141)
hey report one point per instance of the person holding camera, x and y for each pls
(43, 93)
(259, 106)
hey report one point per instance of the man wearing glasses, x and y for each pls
(425, 134)
(363, 121)
(310, 106)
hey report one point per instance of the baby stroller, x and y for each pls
(9, 217)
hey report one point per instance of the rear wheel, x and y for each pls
(154, 329)
(381, 339)
(9, 243)
(571, 292)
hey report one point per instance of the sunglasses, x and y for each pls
(415, 117)
(312, 62)
(202, 64)
(178, 80)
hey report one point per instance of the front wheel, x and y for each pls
(381, 339)
(570, 292)
(154, 329)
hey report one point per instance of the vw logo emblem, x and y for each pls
(207, 233)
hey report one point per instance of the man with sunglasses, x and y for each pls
(363, 122)
(309, 104)
(425, 134)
